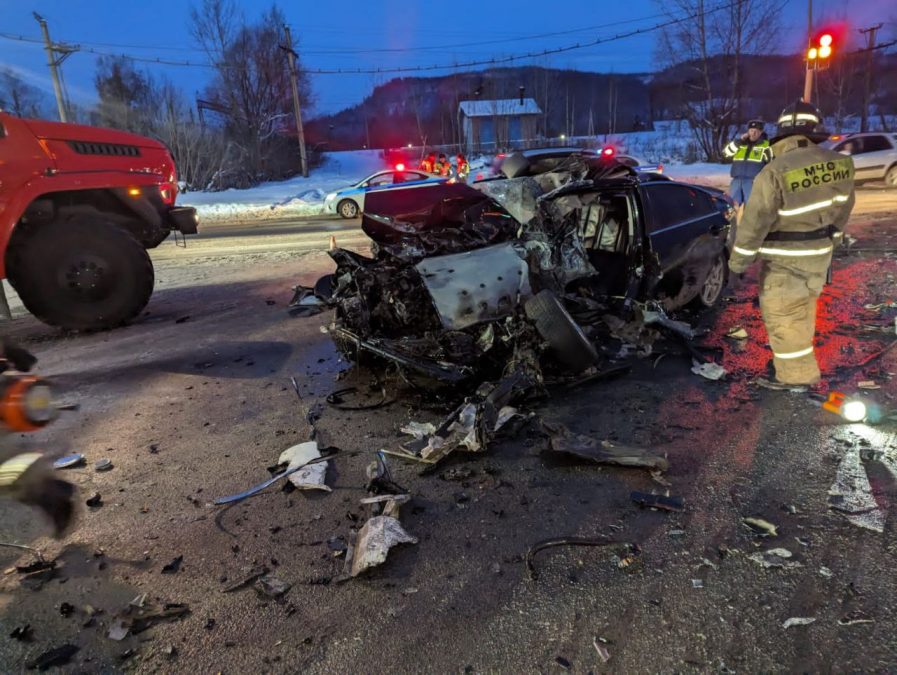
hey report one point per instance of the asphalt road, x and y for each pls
(193, 401)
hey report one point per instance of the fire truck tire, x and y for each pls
(569, 344)
(82, 274)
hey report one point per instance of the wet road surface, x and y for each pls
(195, 409)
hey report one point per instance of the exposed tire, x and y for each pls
(891, 176)
(568, 343)
(82, 274)
(347, 209)
(714, 284)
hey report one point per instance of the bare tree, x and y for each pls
(18, 96)
(710, 46)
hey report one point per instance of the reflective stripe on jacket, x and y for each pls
(804, 189)
(748, 158)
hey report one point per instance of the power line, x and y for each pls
(417, 69)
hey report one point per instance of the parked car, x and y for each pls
(874, 155)
(456, 267)
(349, 202)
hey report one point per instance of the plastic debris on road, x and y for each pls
(373, 543)
(737, 333)
(564, 441)
(761, 526)
(798, 621)
(312, 476)
(77, 459)
(708, 370)
(775, 557)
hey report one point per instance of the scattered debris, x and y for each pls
(138, 616)
(603, 654)
(737, 333)
(853, 618)
(173, 566)
(868, 384)
(103, 465)
(419, 429)
(708, 370)
(58, 656)
(623, 550)
(775, 557)
(306, 474)
(564, 441)
(697, 583)
(798, 621)
(761, 526)
(69, 461)
(66, 609)
(247, 580)
(646, 500)
(272, 586)
(825, 572)
(95, 501)
(23, 633)
(563, 663)
(457, 473)
(377, 537)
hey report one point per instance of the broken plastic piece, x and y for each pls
(657, 501)
(69, 461)
(419, 429)
(312, 476)
(737, 333)
(798, 621)
(775, 557)
(373, 543)
(761, 526)
(272, 586)
(708, 370)
(138, 616)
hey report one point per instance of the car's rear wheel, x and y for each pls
(714, 284)
(568, 343)
(891, 176)
(82, 274)
(347, 208)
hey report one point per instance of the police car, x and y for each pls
(349, 202)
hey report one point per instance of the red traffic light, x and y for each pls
(825, 40)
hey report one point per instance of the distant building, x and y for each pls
(498, 123)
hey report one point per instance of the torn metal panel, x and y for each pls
(564, 441)
(312, 476)
(373, 543)
(476, 286)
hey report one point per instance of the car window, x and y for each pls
(382, 179)
(875, 144)
(604, 224)
(675, 204)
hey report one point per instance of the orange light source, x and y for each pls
(825, 40)
(812, 53)
(134, 191)
(825, 51)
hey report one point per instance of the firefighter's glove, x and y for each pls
(29, 478)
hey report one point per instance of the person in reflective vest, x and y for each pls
(443, 166)
(426, 164)
(463, 167)
(798, 210)
(749, 153)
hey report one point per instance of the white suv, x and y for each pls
(874, 155)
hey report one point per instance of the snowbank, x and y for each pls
(285, 199)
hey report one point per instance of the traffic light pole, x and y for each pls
(867, 85)
(808, 78)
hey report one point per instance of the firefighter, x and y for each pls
(800, 205)
(427, 163)
(443, 166)
(463, 167)
(27, 475)
(749, 153)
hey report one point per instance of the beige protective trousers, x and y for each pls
(788, 294)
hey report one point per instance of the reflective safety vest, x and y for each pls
(463, 168)
(747, 157)
(426, 165)
(800, 203)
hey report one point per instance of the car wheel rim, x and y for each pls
(349, 210)
(713, 285)
(891, 178)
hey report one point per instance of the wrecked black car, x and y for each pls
(558, 262)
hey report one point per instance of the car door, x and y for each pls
(687, 233)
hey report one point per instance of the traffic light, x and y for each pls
(820, 51)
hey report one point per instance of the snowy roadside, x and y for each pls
(304, 197)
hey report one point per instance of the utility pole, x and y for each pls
(55, 62)
(297, 110)
(808, 78)
(867, 88)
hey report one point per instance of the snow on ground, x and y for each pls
(289, 198)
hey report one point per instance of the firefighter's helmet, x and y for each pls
(801, 118)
